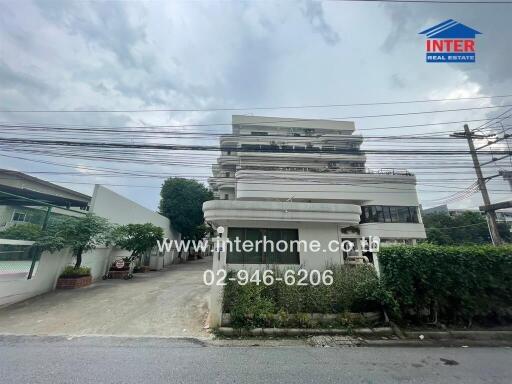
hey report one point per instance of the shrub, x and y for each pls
(27, 231)
(138, 238)
(452, 284)
(71, 271)
(354, 289)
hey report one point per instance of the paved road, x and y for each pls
(118, 360)
(172, 302)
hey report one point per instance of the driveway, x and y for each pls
(171, 302)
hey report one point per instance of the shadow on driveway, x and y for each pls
(171, 302)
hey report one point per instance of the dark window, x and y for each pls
(19, 216)
(259, 256)
(226, 196)
(249, 147)
(258, 133)
(389, 214)
(394, 214)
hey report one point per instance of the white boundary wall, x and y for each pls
(17, 288)
(120, 210)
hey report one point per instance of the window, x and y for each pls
(389, 214)
(258, 133)
(228, 174)
(19, 216)
(226, 196)
(258, 255)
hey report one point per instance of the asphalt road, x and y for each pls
(117, 360)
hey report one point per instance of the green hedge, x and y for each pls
(449, 284)
(354, 289)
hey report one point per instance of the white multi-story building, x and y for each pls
(308, 176)
(296, 179)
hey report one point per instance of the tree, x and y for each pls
(182, 202)
(81, 234)
(28, 231)
(138, 238)
(467, 228)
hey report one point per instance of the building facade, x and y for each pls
(303, 180)
(306, 179)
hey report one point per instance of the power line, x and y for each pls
(424, 1)
(217, 109)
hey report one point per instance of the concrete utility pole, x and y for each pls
(490, 213)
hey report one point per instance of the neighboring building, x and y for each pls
(286, 179)
(502, 216)
(27, 199)
(507, 176)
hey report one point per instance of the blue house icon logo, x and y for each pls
(450, 41)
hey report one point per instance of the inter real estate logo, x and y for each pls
(450, 42)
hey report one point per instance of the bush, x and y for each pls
(451, 284)
(71, 271)
(354, 289)
(27, 231)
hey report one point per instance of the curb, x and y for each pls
(380, 331)
(459, 335)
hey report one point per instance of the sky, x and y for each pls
(66, 55)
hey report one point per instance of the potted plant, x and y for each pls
(73, 277)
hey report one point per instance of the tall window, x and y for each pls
(19, 216)
(389, 214)
(259, 255)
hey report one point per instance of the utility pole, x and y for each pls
(487, 207)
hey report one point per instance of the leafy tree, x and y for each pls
(182, 202)
(28, 231)
(81, 234)
(138, 238)
(467, 228)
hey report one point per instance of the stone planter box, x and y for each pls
(73, 282)
(118, 274)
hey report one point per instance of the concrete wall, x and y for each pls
(98, 259)
(120, 210)
(16, 288)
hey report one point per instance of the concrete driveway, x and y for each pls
(172, 303)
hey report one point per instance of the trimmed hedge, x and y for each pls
(449, 284)
(354, 289)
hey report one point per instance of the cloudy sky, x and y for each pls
(231, 54)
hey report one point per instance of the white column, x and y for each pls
(217, 291)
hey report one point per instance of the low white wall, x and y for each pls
(49, 268)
